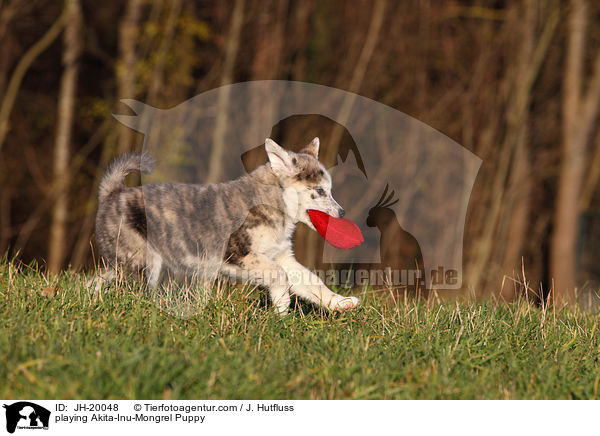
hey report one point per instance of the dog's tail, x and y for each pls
(119, 168)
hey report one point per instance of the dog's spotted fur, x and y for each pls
(244, 226)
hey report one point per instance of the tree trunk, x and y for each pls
(66, 108)
(517, 117)
(578, 118)
(128, 37)
(266, 63)
(218, 144)
(513, 164)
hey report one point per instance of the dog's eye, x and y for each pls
(320, 191)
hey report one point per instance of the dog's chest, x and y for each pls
(272, 241)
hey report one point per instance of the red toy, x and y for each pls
(339, 232)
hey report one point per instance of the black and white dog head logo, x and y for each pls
(26, 415)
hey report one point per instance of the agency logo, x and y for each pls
(26, 415)
(405, 185)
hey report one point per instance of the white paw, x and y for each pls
(347, 303)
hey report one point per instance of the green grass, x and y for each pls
(120, 345)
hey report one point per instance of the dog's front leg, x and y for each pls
(307, 284)
(263, 271)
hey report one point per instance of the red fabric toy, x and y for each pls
(339, 232)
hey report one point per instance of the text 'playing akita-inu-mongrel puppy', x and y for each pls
(241, 229)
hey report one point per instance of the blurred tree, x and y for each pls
(9, 96)
(485, 73)
(66, 108)
(126, 68)
(231, 50)
(579, 114)
(505, 228)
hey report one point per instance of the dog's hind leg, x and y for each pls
(103, 278)
(154, 266)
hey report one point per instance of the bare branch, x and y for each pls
(357, 77)
(17, 77)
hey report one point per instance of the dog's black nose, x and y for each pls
(342, 212)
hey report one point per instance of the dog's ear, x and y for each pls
(281, 161)
(312, 148)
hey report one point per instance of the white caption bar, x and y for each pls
(23, 417)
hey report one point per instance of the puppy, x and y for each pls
(241, 229)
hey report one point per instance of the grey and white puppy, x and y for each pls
(241, 229)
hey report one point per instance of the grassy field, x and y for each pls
(119, 344)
